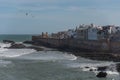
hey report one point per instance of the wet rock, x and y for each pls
(35, 48)
(17, 46)
(87, 67)
(101, 74)
(8, 41)
(103, 68)
(28, 42)
(91, 70)
(118, 67)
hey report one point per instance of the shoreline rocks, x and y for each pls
(28, 42)
(101, 74)
(8, 41)
(102, 68)
(102, 71)
(35, 48)
(17, 46)
(118, 67)
(22, 46)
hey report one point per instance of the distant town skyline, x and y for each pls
(36, 16)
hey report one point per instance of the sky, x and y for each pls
(36, 16)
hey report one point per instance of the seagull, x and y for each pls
(26, 14)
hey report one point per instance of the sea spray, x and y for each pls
(16, 52)
(49, 56)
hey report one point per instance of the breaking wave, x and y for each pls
(49, 56)
(4, 52)
(3, 45)
(15, 52)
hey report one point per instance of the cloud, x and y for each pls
(56, 14)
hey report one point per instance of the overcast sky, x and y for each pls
(35, 16)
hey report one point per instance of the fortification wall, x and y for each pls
(92, 45)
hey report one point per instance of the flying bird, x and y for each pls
(26, 14)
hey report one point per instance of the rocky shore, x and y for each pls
(118, 67)
(102, 56)
(86, 53)
(91, 54)
(101, 71)
(15, 45)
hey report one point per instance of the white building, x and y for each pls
(92, 33)
(115, 29)
(71, 33)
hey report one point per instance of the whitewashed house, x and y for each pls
(115, 29)
(70, 33)
(93, 32)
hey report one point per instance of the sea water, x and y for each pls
(28, 64)
(15, 37)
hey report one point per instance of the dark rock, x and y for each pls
(101, 74)
(102, 68)
(87, 67)
(8, 41)
(118, 67)
(91, 70)
(29, 42)
(17, 46)
(36, 48)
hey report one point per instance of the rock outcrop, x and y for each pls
(118, 67)
(101, 74)
(35, 48)
(22, 46)
(103, 68)
(17, 46)
(8, 41)
(28, 42)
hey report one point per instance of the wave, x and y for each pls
(4, 52)
(111, 70)
(16, 52)
(49, 56)
(3, 45)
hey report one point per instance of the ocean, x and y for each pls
(28, 64)
(17, 38)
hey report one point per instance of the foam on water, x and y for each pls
(16, 52)
(49, 56)
(43, 55)
(3, 45)
(88, 65)
(112, 72)
(4, 52)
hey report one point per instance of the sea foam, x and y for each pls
(4, 52)
(3, 45)
(16, 52)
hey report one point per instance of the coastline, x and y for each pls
(88, 49)
(84, 53)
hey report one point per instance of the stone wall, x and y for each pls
(115, 46)
(93, 45)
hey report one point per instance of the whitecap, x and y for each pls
(112, 72)
(70, 56)
(16, 52)
(3, 45)
(2, 50)
(49, 56)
